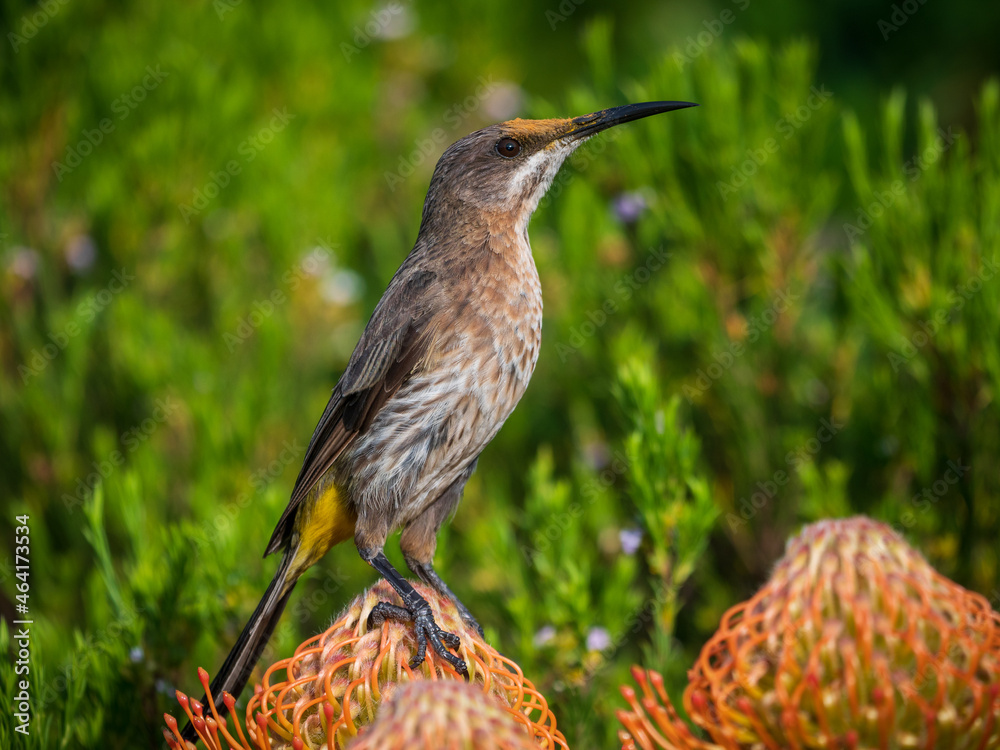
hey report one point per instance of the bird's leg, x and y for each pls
(419, 540)
(425, 571)
(416, 609)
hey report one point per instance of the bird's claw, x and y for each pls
(384, 611)
(426, 630)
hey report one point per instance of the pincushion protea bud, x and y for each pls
(444, 715)
(855, 642)
(332, 689)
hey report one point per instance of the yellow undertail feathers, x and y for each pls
(325, 519)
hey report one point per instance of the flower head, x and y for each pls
(854, 642)
(445, 714)
(333, 687)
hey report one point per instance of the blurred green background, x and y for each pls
(780, 306)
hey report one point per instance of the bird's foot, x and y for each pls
(426, 629)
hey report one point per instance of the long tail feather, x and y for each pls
(235, 670)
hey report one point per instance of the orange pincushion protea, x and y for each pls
(332, 688)
(855, 642)
(444, 715)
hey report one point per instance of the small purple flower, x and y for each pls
(598, 639)
(24, 263)
(392, 22)
(543, 636)
(630, 539)
(342, 287)
(502, 100)
(628, 207)
(596, 454)
(81, 252)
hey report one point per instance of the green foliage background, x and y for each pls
(802, 323)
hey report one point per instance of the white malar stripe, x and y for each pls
(542, 167)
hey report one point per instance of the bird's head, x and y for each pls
(503, 171)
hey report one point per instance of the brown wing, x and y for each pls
(393, 346)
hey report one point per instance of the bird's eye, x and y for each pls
(508, 148)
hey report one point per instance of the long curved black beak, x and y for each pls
(588, 125)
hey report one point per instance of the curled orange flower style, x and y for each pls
(350, 686)
(854, 643)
